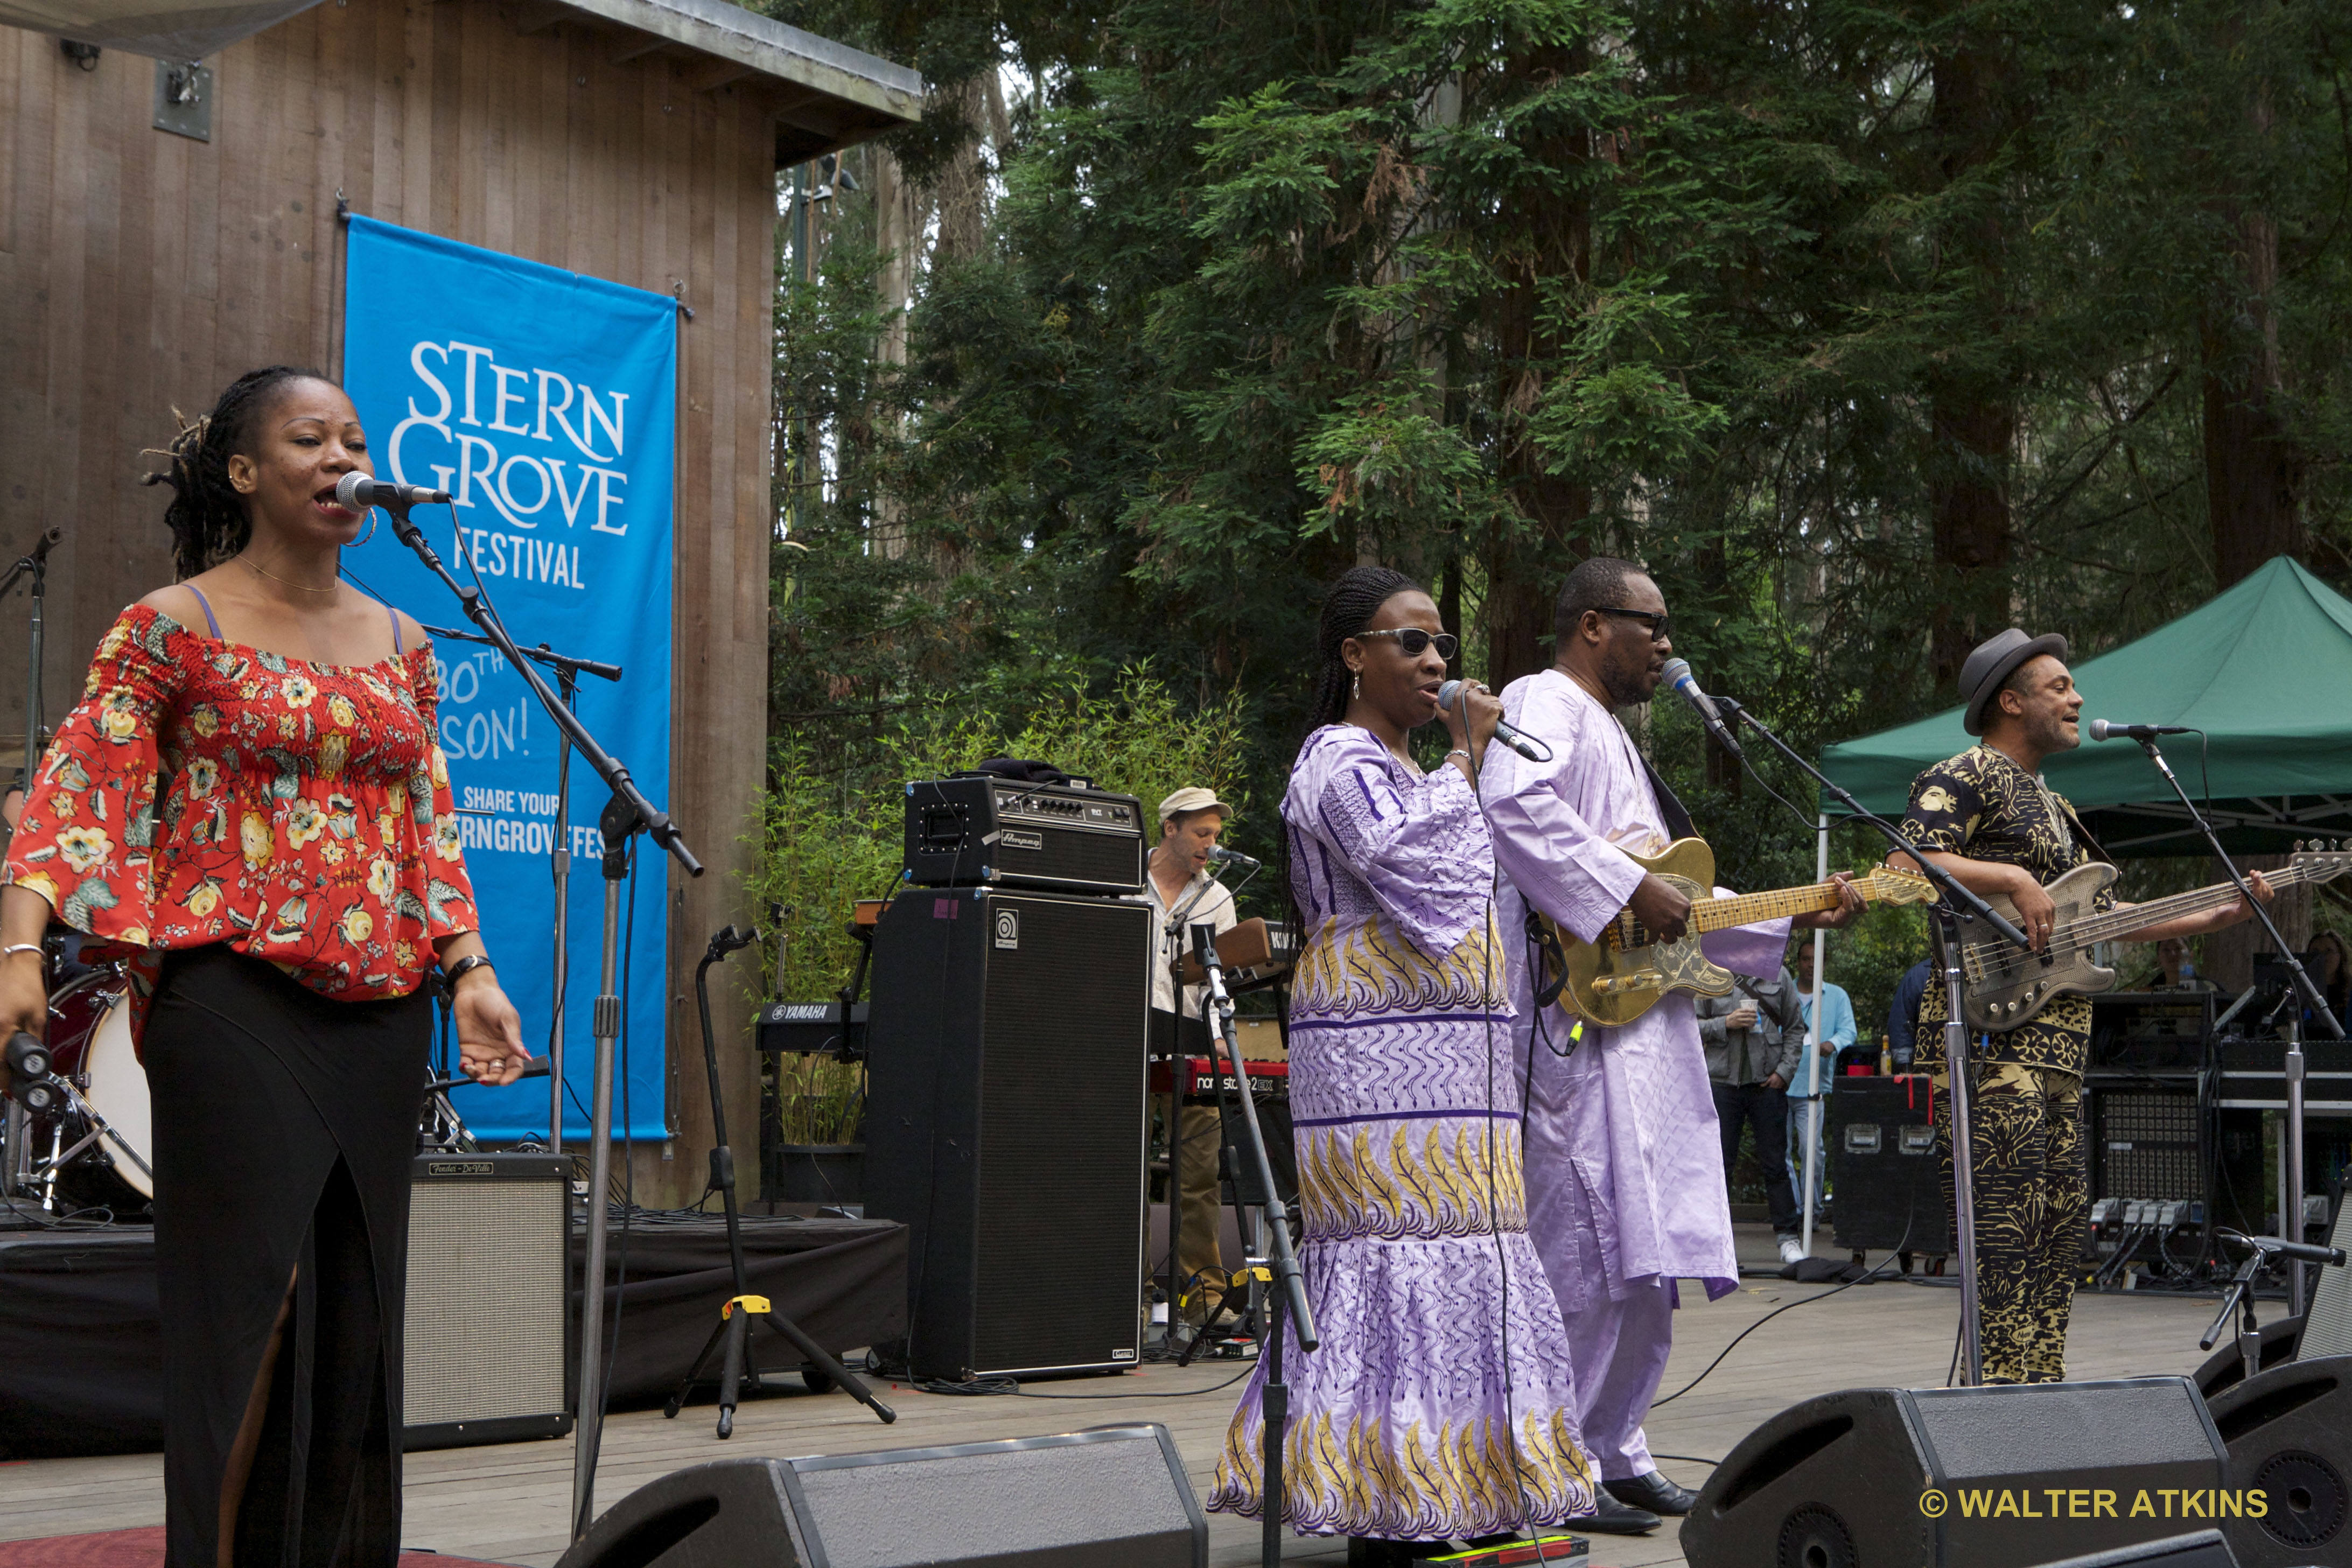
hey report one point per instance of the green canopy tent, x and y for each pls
(2265, 669)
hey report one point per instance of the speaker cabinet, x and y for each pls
(2204, 1549)
(1004, 1126)
(1110, 1497)
(1890, 1194)
(2018, 1475)
(486, 1325)
(2289, 1431)
(2328, 1329)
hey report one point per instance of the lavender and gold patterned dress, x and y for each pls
(1439, 1404)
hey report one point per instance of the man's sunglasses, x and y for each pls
(1655, 619)
(1414, 641)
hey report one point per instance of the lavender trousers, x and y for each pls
(1618, 1331)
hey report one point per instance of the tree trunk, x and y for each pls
(1549, 238)
(2253, 466)
(900, 211)
(1972, 418)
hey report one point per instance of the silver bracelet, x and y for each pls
(1458, 751)
(17, 947)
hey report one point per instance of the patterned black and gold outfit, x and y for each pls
(2026, 1127)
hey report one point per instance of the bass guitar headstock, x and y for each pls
(2321, 861)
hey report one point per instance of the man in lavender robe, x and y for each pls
(1624, 1170)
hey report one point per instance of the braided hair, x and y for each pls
(207, 518)
(1355, 598)
(1347, 609)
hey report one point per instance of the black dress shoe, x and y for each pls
(1653, 1492)
(1615, 1518)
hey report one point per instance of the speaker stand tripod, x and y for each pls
(733, 1335)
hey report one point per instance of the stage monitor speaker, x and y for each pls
(1004, 1123)
(2022, 1474)
(1890, 1194)
(1109, 1497)
(2289, 1431)
(486, 1322)
(2203, 1548)
(2327, 1327)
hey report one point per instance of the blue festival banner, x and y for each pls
(545, 404)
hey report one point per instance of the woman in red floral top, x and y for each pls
(249, 803)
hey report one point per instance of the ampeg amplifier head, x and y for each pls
(977, 830)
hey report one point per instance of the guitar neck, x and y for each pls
(2099, 928)
(1722, 914)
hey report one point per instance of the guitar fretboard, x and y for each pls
(1722, 914)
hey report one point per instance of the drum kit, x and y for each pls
(80, 1136)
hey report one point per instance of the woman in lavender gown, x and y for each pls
(1439, 1403)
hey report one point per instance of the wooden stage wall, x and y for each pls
(141, 270)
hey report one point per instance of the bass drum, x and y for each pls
(115, 1085)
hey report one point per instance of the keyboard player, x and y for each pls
(1183, 894)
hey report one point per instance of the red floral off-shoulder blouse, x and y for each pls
(207, 792)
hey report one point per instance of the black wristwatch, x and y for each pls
(463, 967)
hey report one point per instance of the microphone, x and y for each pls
(359, 492)
(1218, 852)
(1527, 745)
(2102, 730)
(49, 542)
(1677, 674)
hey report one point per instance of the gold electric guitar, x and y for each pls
(1620, 977)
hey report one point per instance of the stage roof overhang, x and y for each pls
(2265, 669)
(832, 96)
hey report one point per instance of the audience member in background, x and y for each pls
(2327, 961)
(2175, 971)
(1754, 1038)
(1837, 1032)
(1902, 1013)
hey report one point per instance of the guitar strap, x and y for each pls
(1670, 808)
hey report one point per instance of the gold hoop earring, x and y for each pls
(373, 518)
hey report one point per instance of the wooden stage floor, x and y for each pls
(508, 1503)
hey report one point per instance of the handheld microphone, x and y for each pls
(1218, 852)
(359, 492)
(1527, 745)
(2102, 730)
(1677, 674)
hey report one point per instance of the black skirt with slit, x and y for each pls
(284, 1123)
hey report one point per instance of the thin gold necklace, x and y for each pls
(289, 581)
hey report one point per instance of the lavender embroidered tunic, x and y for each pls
(1621, 1133)
(1440, 1404)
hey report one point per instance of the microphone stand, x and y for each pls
(1954, 912)
(1290, 1285)
(628, 814)
(2308, 993)
(15, 1130)
(568, 671)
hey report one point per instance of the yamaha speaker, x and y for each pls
(486, 1324)
(2289, 1431)
(1111, 1497)
(1004, 1123)
(2203, 1548)
(1959, 1478)
(2327, 1331)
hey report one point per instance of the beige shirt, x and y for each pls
(1203, 899)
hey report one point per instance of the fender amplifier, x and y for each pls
(488, 1312)
(977, 830)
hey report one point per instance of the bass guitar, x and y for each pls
(1617, 978)
(2004, 985)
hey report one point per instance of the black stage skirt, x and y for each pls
(285, 1124)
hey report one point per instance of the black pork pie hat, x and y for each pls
(1991, 662)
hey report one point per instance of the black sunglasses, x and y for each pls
(1654, 619)
(1414, 641)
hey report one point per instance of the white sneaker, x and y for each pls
(1791, 1249)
